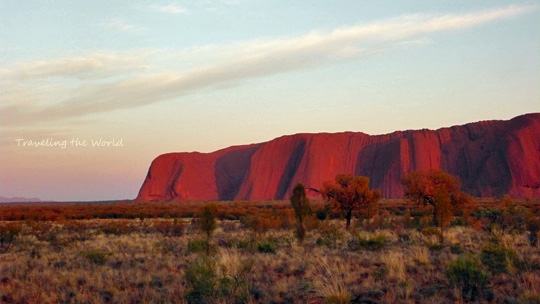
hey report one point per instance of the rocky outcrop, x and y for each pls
(491, 158)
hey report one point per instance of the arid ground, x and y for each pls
(156, 253)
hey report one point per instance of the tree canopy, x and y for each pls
(348, 193)
(421, 186)
(439, 189)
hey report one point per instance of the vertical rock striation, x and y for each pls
(491, 158)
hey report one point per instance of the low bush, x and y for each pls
(497, 258)
(197, 245)
(223, 281)
(96, 256)
(267, 246)
(8, 235)
(374, 243)
(201, 280)
(533, 226)
(116, 227)
(429, 231)
(170, 228)
(466, 273)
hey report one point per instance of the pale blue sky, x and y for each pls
(203, 75)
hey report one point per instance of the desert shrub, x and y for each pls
(223, 281)
(267, 246)
(197, 245)
(244, 244)
(8, 235)
(96, 256)
(491, 214)
(456, 249)
(234, 274)
(497, 258)
(330, 234)
(533, 226)
(170, 228)
(207, 222)
(429, 231)
(374, 243)
(321, 214)
(466, 273)
(116, 227)
(257, 224)
(302, 210)
(42, 230)
(513, 216)
(201, 280)
(79, 229)
(380, 273)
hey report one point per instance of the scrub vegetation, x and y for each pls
(297, 251)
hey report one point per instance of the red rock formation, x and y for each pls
(491, 158)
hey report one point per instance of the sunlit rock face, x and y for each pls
(491, 158)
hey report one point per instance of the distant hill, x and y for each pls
(18, 199)
(491, 158)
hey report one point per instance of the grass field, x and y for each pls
(254, 257)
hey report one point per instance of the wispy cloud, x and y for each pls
(95, 65)
(224, 64)
(170, 9)
(120, 25)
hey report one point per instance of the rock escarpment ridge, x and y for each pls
(491, 158)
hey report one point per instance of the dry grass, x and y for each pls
(145, 261)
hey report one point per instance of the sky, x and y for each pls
(143, 78)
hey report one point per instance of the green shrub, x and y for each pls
(465, 273)
(456, 249)
(434, 246)
(210, 282)
(380, 273)
(207, 222)
(197, 245)
(201, 280)
(497, 258)
(8, 235)
(267, 246)
(371, 243)
(96, 256)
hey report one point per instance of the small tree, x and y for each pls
(207, 222)
(422, 186)
(348, 193)
(302, 208)
(443, 209)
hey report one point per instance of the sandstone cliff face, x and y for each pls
(492, 158)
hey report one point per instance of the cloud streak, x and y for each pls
(119, 25)
(231, 63)
(170, 9)
(96, 65)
